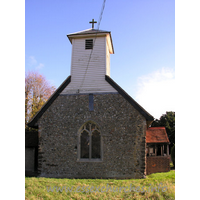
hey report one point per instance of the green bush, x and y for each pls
(173, 155)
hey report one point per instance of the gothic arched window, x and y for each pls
(89, 142)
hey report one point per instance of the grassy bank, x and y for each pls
(155, 186)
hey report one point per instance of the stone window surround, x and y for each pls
(79, 159)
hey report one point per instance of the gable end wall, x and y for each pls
(123, 131)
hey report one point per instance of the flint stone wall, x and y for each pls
(123, 131)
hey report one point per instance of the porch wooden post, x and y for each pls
(163, 149)
(155, 150)
(168, 149)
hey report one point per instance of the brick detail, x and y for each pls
(157, 164)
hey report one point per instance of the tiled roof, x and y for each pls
(156, 135)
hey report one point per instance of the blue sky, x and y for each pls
(143, 34)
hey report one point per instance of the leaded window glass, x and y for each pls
(90, 141)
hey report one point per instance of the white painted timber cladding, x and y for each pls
(107, 59)
(89, 78)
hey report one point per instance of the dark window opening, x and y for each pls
(89, 44)
(84, 144)
(159, 150)
(96, 143)
(165, 149)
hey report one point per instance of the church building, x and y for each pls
(90, 127)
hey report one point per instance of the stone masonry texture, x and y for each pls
(123, 132)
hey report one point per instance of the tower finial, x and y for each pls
(92, 22)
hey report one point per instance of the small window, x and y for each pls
(89, 44)
(91, 102)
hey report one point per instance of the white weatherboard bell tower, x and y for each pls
(90, 61)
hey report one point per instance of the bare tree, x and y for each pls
(37, 92)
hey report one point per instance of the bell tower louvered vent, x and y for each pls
(89, 44)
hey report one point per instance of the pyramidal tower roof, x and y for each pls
(91, 33)
(88, 31)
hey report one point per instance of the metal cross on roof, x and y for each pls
(92, 22)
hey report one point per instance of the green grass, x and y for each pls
(36, 188)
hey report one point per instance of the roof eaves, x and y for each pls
(158, 142)
(129, 99)
(80, 32)
(34, 120)
(88, 31)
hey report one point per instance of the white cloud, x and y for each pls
(156, 92)
(33, 63)
(40, 66)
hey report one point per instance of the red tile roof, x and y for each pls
(156, 135)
